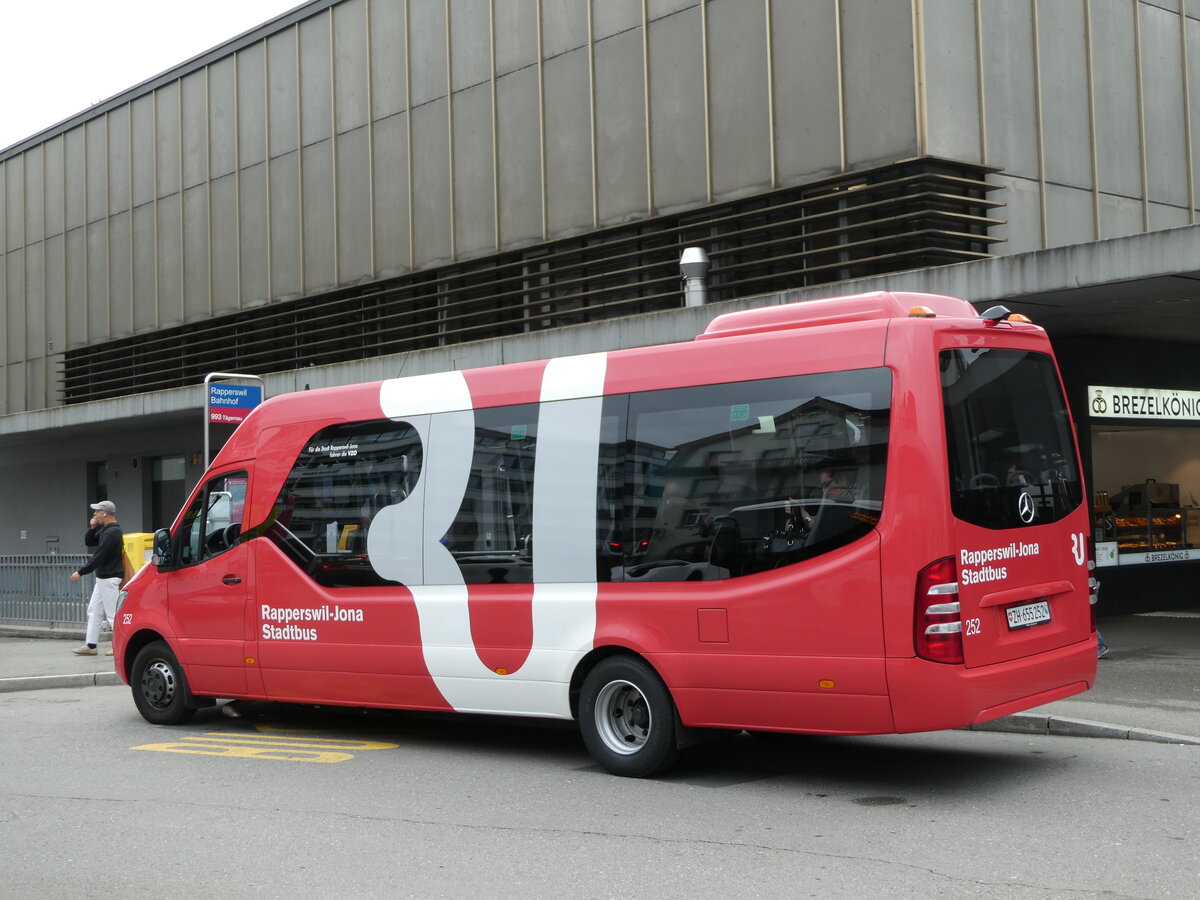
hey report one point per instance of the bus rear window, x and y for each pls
(1008, 437)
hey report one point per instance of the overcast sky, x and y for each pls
(62, 56)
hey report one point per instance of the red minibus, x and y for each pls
(859, 515)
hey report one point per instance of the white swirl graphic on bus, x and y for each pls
(404, 542)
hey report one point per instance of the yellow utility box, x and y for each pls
(139, 547)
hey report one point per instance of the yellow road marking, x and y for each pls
(289, 749)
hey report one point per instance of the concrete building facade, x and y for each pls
(363, 187)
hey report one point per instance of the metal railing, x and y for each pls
(36, 588)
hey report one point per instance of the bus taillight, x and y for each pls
(937, 622)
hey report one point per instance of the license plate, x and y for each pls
(1028, 615)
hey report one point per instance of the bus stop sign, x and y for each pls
(231, 403)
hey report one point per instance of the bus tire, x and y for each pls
(628, 718)
(159, 687)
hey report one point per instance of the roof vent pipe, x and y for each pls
(693, 267)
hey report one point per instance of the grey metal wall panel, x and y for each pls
(1068, 215)
(143, 149)
(568, 143)
(35, 383)
(286, 272)
(1118, 142)
(283, 94)
(1162, 77)
(15, 393)
(520, 168)
(391, 195)
(56, 297)
(1193, 82)
(167, 131)
(33, 212)
(196, 283)
(33, 338)
(224, 237)
(354, 226)
(118, 159)
(657, 9)
(741, 127)
(145, 268)
(350, 65)
(516, 34)
(14, 335)
(318, 225)
(222, 118)
(427, 49)
(431, 184)
(252, 105)
(1022, 230)
(194, 116)
(807, 110)
(35, 326)
(621, 139)
(14, 203)
(471, 42)
(880, 91)
(679, 161)
(564, 26)
(170, 260)
(120, 275)
(951, 80)
(96, 177)
(97, 309)
(1066, 122)
(55, 208)
(389, 58)
(1165, 216)
(76, 280)
(76, 174)
(614, 16)
(254, 250)
(1010, 104)
(1119, 216)
(316, 85)
(474, 187)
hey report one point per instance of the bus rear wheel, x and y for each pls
(159, 688)
(627, 718)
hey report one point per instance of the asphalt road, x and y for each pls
(291, 802)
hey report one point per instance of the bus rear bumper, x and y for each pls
(928, 696)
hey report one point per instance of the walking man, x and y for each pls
(106, 563)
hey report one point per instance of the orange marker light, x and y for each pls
(923, 312)
(1017, 317)
(827, 683)
(502, 671)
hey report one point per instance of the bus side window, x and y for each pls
(733, 479)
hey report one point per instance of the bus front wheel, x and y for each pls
(159, 688)
(627, 718)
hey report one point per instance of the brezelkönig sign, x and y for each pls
(1105, 402)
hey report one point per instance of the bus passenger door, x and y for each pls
(209, 589)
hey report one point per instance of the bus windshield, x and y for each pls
(1008, 437)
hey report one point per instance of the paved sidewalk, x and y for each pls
(1147, 688)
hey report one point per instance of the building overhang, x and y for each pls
(1138, 287)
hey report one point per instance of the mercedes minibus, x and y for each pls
(857, 515)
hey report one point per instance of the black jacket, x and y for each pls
(110, 545)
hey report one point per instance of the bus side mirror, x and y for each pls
(162, 547)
